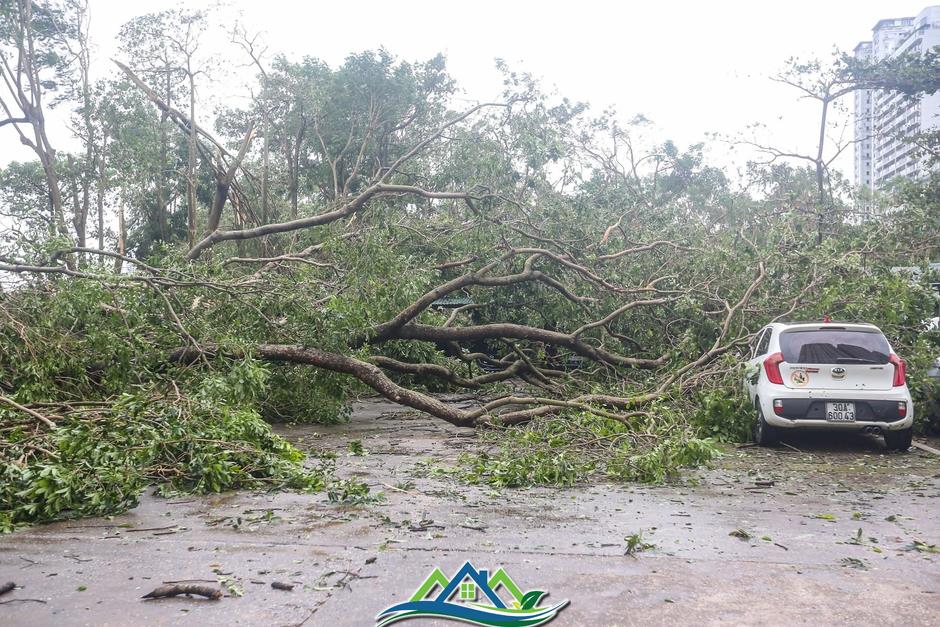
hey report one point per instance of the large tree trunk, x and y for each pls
(223, 181)
(824, 208)
(191, 167)
(102, 181)
(293, 165)
(265, 166)
(162, 219)
(79, 209)
(121, 239)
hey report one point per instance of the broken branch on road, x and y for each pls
(172, 590)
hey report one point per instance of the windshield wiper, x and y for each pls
(857, 360)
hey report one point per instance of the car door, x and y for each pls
(753, 369)
(753, 365)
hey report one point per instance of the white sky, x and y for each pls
(692, 67)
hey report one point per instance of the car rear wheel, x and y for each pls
(764, 434)
(899, 440)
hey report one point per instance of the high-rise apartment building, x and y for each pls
(883, 120)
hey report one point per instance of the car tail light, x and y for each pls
(902, 409)
(900, 370)
(772, 368)
(778, 407)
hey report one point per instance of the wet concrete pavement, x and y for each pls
(803, 560)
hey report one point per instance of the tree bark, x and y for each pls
(79, 207)
(223, 181)
(121, 239)
(102, 181)
(265, 166)
(191, 166)
(294, 164)
(824, 207)
(162, 219)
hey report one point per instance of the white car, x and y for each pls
(827, 376)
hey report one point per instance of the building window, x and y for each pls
(468, 591)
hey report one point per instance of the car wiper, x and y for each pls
(856, 360)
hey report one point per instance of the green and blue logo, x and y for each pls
(458, 600)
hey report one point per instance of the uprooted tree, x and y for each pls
(360, 235)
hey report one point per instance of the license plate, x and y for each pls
(840, 412)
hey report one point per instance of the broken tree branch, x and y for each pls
(178, 589)
(27, 410)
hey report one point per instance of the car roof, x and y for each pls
(849, 326)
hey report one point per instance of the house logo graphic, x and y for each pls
(470, 596)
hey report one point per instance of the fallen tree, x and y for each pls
(362, 237)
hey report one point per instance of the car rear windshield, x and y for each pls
(834, 346)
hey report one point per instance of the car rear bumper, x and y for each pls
(807, 409)
(815, 409)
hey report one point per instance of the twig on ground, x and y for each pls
(396, 489)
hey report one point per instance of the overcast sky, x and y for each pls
(692, 67)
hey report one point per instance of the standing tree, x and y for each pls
(32, 65)
(162, 48)
(910, 74)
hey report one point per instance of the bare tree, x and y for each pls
(912, 75)
(22, 101)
